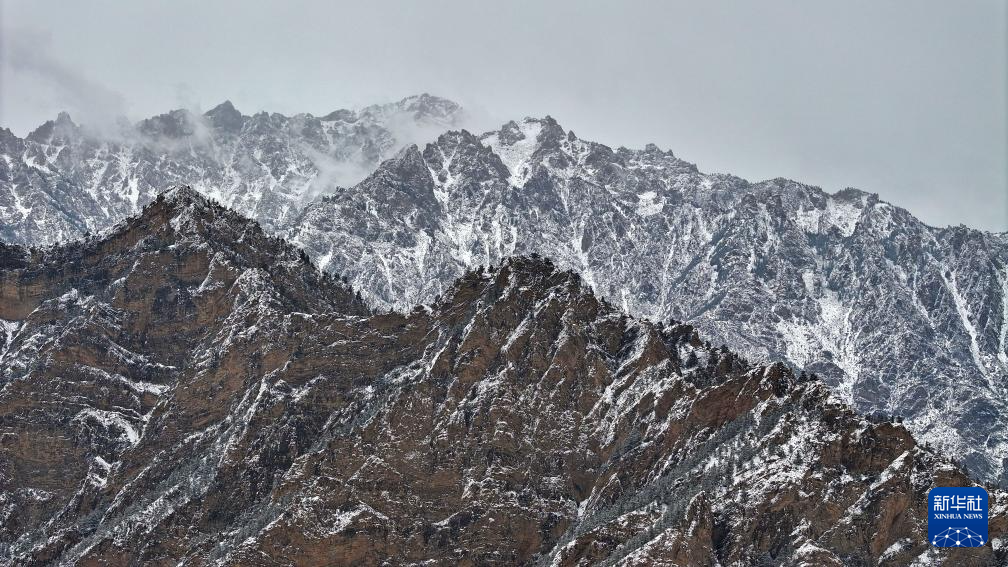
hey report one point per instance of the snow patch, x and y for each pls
(111, 421)
(648, 204)
(517, 157)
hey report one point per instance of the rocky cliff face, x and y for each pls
(896, 316)
(190, 390)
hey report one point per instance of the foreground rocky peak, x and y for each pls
(196, 240)
(221, 411)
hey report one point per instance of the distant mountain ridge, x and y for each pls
(898, 317)
(63, 180)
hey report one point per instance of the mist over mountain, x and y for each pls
(64, 179)
(189, 389)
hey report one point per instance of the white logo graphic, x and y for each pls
(958, 537)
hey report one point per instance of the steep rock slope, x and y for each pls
(189, 390)
(96, 332)
(63, 180)
(898, 317)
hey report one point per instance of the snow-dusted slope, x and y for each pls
(64, 180)
(189, 390)
(899, 317)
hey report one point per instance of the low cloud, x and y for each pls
(404, 129)
(29, 61)
(332, 172)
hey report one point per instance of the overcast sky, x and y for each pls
(906, 99)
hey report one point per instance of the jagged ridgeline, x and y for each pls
(897, 317)
(188, 389)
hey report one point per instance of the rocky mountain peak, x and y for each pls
(342, 115)
(204, 240)
(856, 195)
(402, 186)
(183, 196)
(458, 155)
(183, 208)
(510, 133)
(551, 131)
(424, 110)
(225, 116)
(654, 149)
(178, 123)
(524, 280)
(63, 130)
(453, 139)
(426, 106)
(183, 219)
(226, 107)
(407, 168)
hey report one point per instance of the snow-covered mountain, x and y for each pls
(189, 390)
(898, 317)
(64, 180)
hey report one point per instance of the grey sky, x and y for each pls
(904, 99)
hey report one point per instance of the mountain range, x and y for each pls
(189, 389)
(897, 317)
(64, 180)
